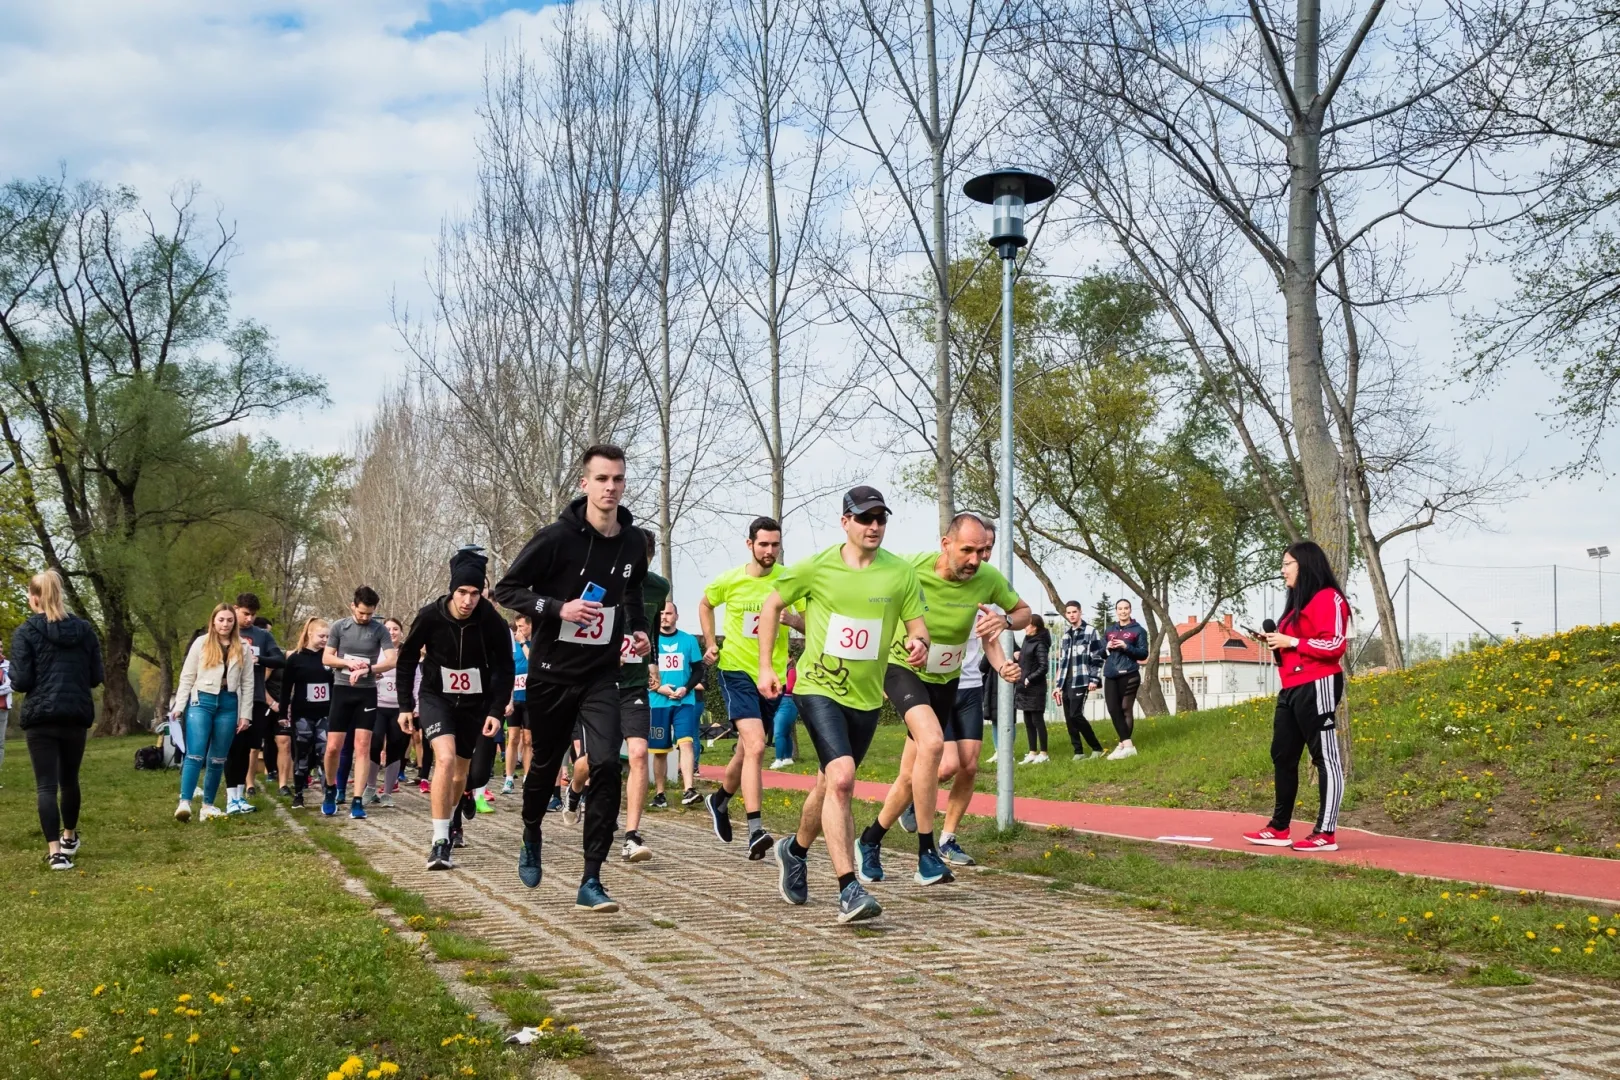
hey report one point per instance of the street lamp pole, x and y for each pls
(1010, 191)
(1599, 553)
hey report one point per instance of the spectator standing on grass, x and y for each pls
(1079, 672)
(1030, 695)
(1126, 644)
(5, 706)
(55, 662)
(216, 696)
(1309, 641)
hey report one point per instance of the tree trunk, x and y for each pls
(945, 465)
(1151, 695)
(1389, 630)
(120, 707)
(1027, 557)
(1186, 700)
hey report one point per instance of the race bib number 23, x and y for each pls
(597, 632)
(853, 639)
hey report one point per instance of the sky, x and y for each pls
(336, 138)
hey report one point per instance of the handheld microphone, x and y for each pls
(1269, 626)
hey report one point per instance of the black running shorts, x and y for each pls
(263, 731)
(906, 691)
(836, 730)
(635, 716)
(353, 708)
(461, 716)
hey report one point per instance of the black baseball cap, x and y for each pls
(863, 499)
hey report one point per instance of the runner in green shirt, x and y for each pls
(856, 597)
(742, 592)
(962, 591)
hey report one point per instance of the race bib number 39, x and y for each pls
(599, 631)
(943, 659)
(318, 692)
(853, 639)
(463, 680)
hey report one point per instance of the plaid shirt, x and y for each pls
(1080, 658)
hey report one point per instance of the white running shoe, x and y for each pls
(183, 811)
(1122, 751)
(385, 801)
(775, 764)
(210, 812)
(991, 760)
(635, 851)
(1040, 758)
(1029, 758)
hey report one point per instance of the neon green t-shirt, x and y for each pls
(743, 597)
(952, 608)
(850, 617)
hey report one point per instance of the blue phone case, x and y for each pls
(593, 593)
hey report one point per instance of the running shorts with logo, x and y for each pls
(353, 709)
(743, 700)
(906, 691)
(458, 715)
(635, 717)
(837, 731)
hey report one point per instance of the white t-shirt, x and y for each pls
(971, 678)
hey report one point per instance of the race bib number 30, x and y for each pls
(853, 639)
(943, 659)
(599, 631)
(463, 680)
(318, 692)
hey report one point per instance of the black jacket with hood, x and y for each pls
(554, 568)
(482, 640)
(55, 664)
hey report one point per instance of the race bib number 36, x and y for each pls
(853, 639)
(943, 659)
(318, 692)
(671, 662)
(463, 680)
(597, 632)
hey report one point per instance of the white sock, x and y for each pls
(233, 793)
(482, 792)
(441, 829)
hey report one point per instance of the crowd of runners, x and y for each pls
(593, 660)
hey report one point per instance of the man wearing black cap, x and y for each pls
(580, 579)
(856, 597)
(467, 675)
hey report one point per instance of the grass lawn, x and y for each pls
(1513, 745)
(226, 949)
(1499, 936)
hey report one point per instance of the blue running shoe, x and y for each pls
(329, 803)
(855, 904)
(357, 810)
(871, 869)
(931, 869)
(592, 897)
(529, 863)
(791, 877)
(908, 818)
(952, 852)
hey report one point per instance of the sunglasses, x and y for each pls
(873, 517)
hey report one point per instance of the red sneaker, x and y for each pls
(424, 787)
(1318, 841)
(1269, 837)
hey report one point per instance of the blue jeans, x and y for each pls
(787, 715)
(210, 729)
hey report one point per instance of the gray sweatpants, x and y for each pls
(5, 718)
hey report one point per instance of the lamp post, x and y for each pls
(1599, 553)
(1010, 192)
(1516, 624)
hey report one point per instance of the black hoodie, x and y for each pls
(54, 664)
(554, 568)
(481, 640)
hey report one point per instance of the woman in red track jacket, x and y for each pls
(1309, 640)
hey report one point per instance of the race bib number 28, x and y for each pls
(853, 639)
(463, 680)
(597, 632)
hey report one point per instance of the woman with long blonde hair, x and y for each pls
(55, 662)
(306, 683)
(216, 696)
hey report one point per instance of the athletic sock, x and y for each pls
(633, 834)
(873, 833)
(925, 842)
(593, 871)
(725, 796)
(796, 849)
(755, 825)
(441, 830)
(844, 880)
(946, 838)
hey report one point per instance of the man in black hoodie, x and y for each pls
(467, 676)
(580, 580)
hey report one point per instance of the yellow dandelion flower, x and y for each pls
(468, 1070)
(1401, 919)
(77, 1033)
(1593, 919)
(137, 1049)
(102, 989)
(148, 1074)
(334, 1075)
(1531, 934)
(183, 998)
(1445, 896)
(192, 1039)
(38, 991)
(1558, 926)
(168, 1034)
(1610, 931)
(236, 1049)
(373, 1074)
(1556, 949)
(352, 1066)
(1496, 918)
(151, 1012)
(217, 999)
(1587, 950)
(1428, 914)
(387, 1068)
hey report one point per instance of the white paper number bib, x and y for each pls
(944, 659)
(353, 676)
(463, 680)
(318, 692)
(671, 661)
(597, 632)
(853, 639)
(627, 651)
(521, 682)
(750, 627)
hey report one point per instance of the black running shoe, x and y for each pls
(529, 862)
(59, 861)
(690, 797)
(70, 848)
(659, 802)
(298, 800)
(719, 814)
(467, 806)
(759, 845)
(285, 791)
(439, 856)
(457, 839)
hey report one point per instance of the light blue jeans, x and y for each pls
(787, 715)
(210, 729)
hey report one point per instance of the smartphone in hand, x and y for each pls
(593, 593)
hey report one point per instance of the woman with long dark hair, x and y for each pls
(55, 661)
(1029, 697)
(1310, 638)
(1125, 645)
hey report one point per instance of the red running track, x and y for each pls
(1576, 876)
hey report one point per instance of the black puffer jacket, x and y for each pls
(55, 664)
(1030, 694)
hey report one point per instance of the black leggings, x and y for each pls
(1035, 724)
(388, 740)
(483, 762)
(1074, 718)
(56, 751)
(1119, 692)
(309, 748)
